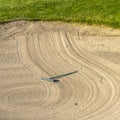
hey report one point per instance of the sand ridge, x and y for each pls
(31, 50)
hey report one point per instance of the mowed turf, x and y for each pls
(106, 12)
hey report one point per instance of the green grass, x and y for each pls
(103, 12)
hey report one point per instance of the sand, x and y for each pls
(31, 50)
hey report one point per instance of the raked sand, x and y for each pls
(31, 50)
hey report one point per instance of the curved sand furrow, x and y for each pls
(75, 47)
(48, 50)
(116, 86)
(48, 47)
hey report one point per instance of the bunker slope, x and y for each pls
(31, 50)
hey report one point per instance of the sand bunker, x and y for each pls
(31, 50)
